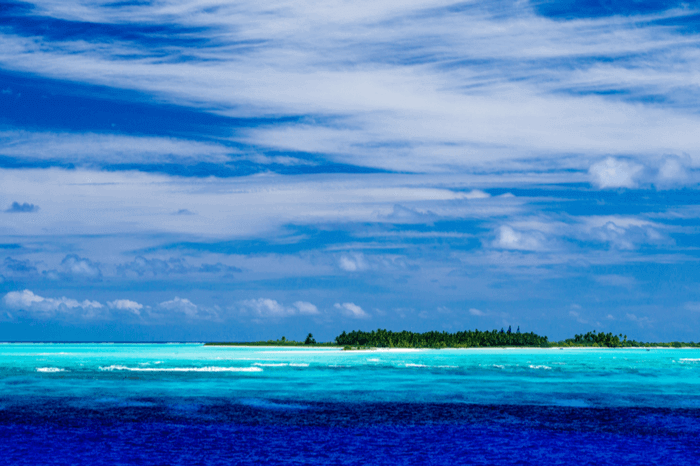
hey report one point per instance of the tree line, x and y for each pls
(462, 339)
(435, 339)
(502, 338)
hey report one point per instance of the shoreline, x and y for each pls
(409, 349)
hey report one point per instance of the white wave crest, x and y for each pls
(205, 369)
(540, 367)
(270, 364)
(689, 359)
(498, 366)
(448, 366)
(372, 359)
(49, 369)
(416, 365)
(299, 364)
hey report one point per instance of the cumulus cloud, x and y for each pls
(75, 266)
(126, 305)
(615, 173)
(508, 238)
(22, 267)
(306, 308)
(181, 305)
(353, 262)
(673, 171)
(621, 232)
(152, 267)
(351, 310)
(664, 173)
(142, 266)
(72, 266)
(37, 305)
(24, 207)
(269, 308)
(403, 215)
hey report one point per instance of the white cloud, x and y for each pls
(615, 173)
(665, 173)
(577, 316)
(301, 59)
(95, 149)
(27, 301)
(476, 194)
(673, 172)
(352, 262)
(625, 233)
(76, 266)
(476, 312)
(641, 321)
(511, 239)
(181, 305)
(306, 308)
(269, 308)
(352, 310)
(126, 305)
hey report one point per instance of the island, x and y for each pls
(382, 338)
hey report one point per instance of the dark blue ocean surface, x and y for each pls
(193, 431)
(189, 404)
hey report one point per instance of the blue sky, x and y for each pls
(207, 170)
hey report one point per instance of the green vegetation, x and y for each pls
(437, 340)
(601, 339)
(283, 342)
(310, 340)
(381, 338)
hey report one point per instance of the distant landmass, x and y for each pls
(381, 338)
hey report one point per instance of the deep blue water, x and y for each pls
(188, 404)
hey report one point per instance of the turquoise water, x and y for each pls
(582, 377)
(140, 387)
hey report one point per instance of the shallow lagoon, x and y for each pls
(154, 404)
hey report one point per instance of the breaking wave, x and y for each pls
(205, 369)
(50, 369)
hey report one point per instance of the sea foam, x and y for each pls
(50, 369)
(206, 369)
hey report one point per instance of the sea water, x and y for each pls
(195, 404)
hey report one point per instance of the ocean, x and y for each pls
(190, 404)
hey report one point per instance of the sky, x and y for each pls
(217, 170)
